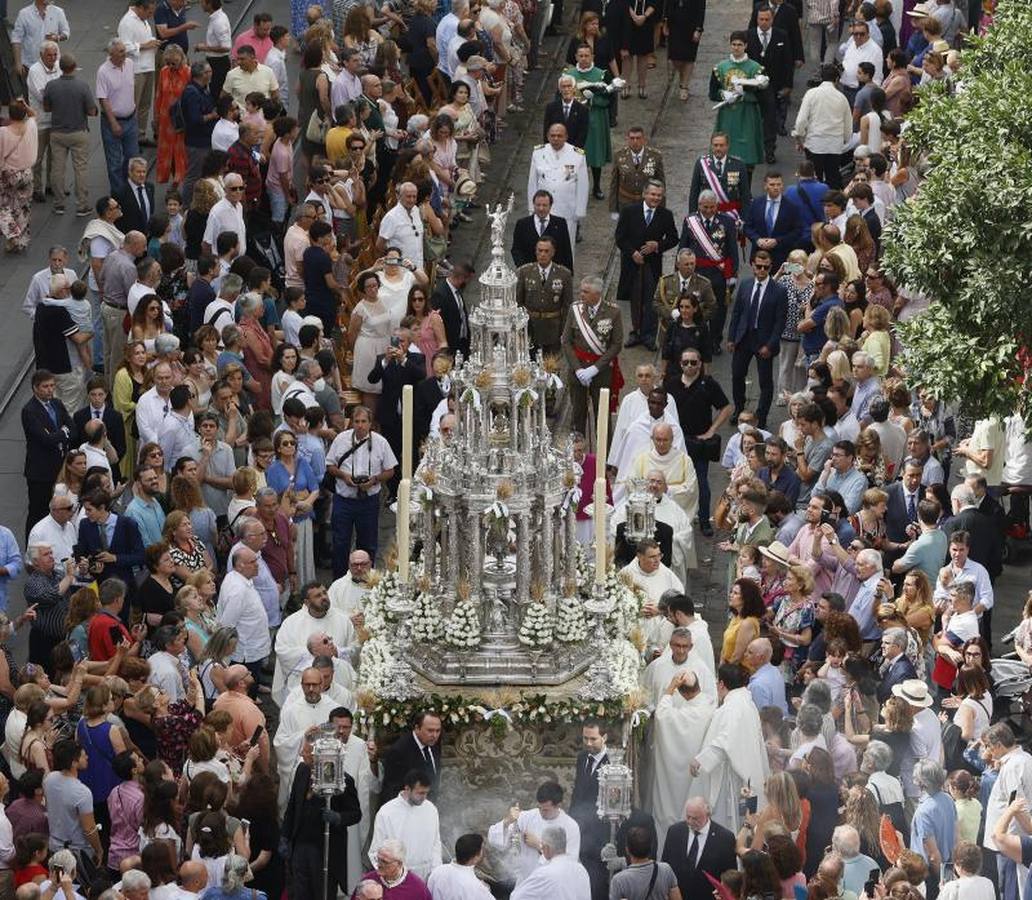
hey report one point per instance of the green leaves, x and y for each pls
(965, 239)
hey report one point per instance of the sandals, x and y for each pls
(683, 94)
(625, 93)
(643, 94)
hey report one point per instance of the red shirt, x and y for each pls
(24, 876)
(278, 550)
(102, 647)
(241, 160)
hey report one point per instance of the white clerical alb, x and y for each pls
(292, 653)
(295, 720)
(632, 406)
(634, 441)
(417, 826)
(561, 878)
(531, 822)
(347, 595)
(658, 674)
(367, 785)
(656, 630)
(454, 881)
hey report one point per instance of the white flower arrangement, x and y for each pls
(571, 624)
(538, 628)
(426, 623)
(376, 604)
(375, 665)
(462, 629)
(625, 665)
(626, 606)
(583, 567)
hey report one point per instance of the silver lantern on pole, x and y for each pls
(328, 780)
(641, 512)
(615, 793)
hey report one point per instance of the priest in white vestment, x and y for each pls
(458, 880)
(562, 877)
(647, 572)
(682, 656)
(635, 403)
(293, 654)
(682, 556)
(681, 611)
(336, 685)
(295, 719)
(675, 465)
(637, 438)
(361, 763)
(733, 755)
(347, 594)
(321, 644)
(522, 830)
(679, 725)
(412, 819)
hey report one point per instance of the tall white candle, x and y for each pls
(599, 506)
(404, 490)
(406, 431)
(602, 432)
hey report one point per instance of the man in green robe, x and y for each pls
(734, 82)
(598, 149)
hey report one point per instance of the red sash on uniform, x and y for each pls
(616, 383)
(724, 204)
(713, 258)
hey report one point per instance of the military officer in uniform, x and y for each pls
(682, 281)
(545, 289)
(559, 168)
(592, 338)
(713, 237)
(634, 166)
(725, 175)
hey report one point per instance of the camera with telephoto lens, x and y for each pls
(360, 479)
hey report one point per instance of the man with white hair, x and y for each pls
(559, 168)
(57, 529)
(675, 465)
(402, 226)
(412, 819)
(869, 595)
(39, 285)
(896, 665)
(136, 885)
(766, 684)
(294, 645)
(562, 877)
(565, 110)
(845, 840)
(866, 387)
(680, 722)
(348, 592)
(226, 215)
(697, 846)
(295, 719)
(636, 438)
(55, 339)
(42, 71)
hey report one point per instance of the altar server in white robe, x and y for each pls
(679, 725)
(676, 466)
(316, 616)
(637, 438)
(458, 880)
(362, 764)
(295, 719)
(682, 556)
(635, 403)
(333, 686)
(524, 828)
(647, 572)
(412, 819)
(562, 877)
(733, 754)
(347, 593)
(681, 657)
(680, 610)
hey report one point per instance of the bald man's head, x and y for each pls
(662, 438)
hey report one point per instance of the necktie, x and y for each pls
(102, 535)
(720, 167)
(770, 216)
(544, 274)
(764, 37)
(142, 195)
(429, 757)
(542, 224)
(637, 160)
(164, 409)
(49, 407)
(757, 299)
(693, 850)
(566, 111)
(648, 217)
(96, 414)
(709, 224)
(589, 765)
(911, 508)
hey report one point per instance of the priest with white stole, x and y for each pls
(682, 551)
(293, 654)
(634, 403)
(681, 657)
(637, 437)
(295, 719)
(680, 610)
(562, 877)
(647, 572)
(362, 764)
(675, 465)
(457, 880)
(333, 687)
(733, 755)
(521, 830)
(412, 819)
(679, 726)
(347, 593)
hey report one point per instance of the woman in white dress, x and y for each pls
(397, 276)
(284, 363)
(369, 334)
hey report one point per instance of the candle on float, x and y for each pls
(602, 432)
(404, 490)
(406, 431)
(599, 513)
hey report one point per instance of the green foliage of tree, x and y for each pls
(965, 239)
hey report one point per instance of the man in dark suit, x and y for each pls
(771, 222)
(761, 306)
(584, 805)
(900, 669)
(862, 196)
(99, 408)
(113, 543)
(394, 369)
(48, 436)
(568, 111)
(769, 46)
(904, 496)
(136, 198)
(418, 749)
(541, 223)
(786, 18)
(303, 827)
(448, 301)
(697, 846)
(428, 394)
(644, 232)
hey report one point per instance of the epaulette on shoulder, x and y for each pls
(580, 150)
(538, 146)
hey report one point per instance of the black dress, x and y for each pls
(683, 17)
(641, 39)
(824, 801)
(603, 54)
(694, 337)
(265, 835)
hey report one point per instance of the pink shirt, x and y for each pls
(18, 151)
(125, 805)
(295, 243)
(116, 86)
(262, 46)
(281, 160)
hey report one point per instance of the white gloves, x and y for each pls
(675, 314)
(584, 376)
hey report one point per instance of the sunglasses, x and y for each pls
(288, 443)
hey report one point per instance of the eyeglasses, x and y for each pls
(973, 653)
(288, 443)
(235, 188)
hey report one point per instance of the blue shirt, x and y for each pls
(767, 687)
(926, 554)
(10, 559)
(863, 610)
(787, 482)
(935, 817)
(850, 485)
(149, 517)
(814, 340)
(280, 480)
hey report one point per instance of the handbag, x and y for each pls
(317, 128)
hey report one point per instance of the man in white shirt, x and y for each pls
(458, 879)
(227, 129)
(347, 85)
(227, 214)
(446, 30)
(402, 227)
(521, 830)
(39, 285)
(154, 405)
(167, 671)
(42, 71)
(859, 48)
(241, 606)
(37, 22)
(412, 819)
(824, 126)
(218, 42)
(276, 60)
(1015, 775)
(959, 569)
(361, 461)
(57, 529)
(221, 311)
(562, 877)
(140, 46)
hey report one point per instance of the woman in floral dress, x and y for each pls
(18, 144)
(172, 80)
(798, 285)
(794, 618)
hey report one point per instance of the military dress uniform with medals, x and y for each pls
(715, 245)
(631, 172)
(592, 336)
(565, 176)
(546, 295)
(728, 178)
(739, 115)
